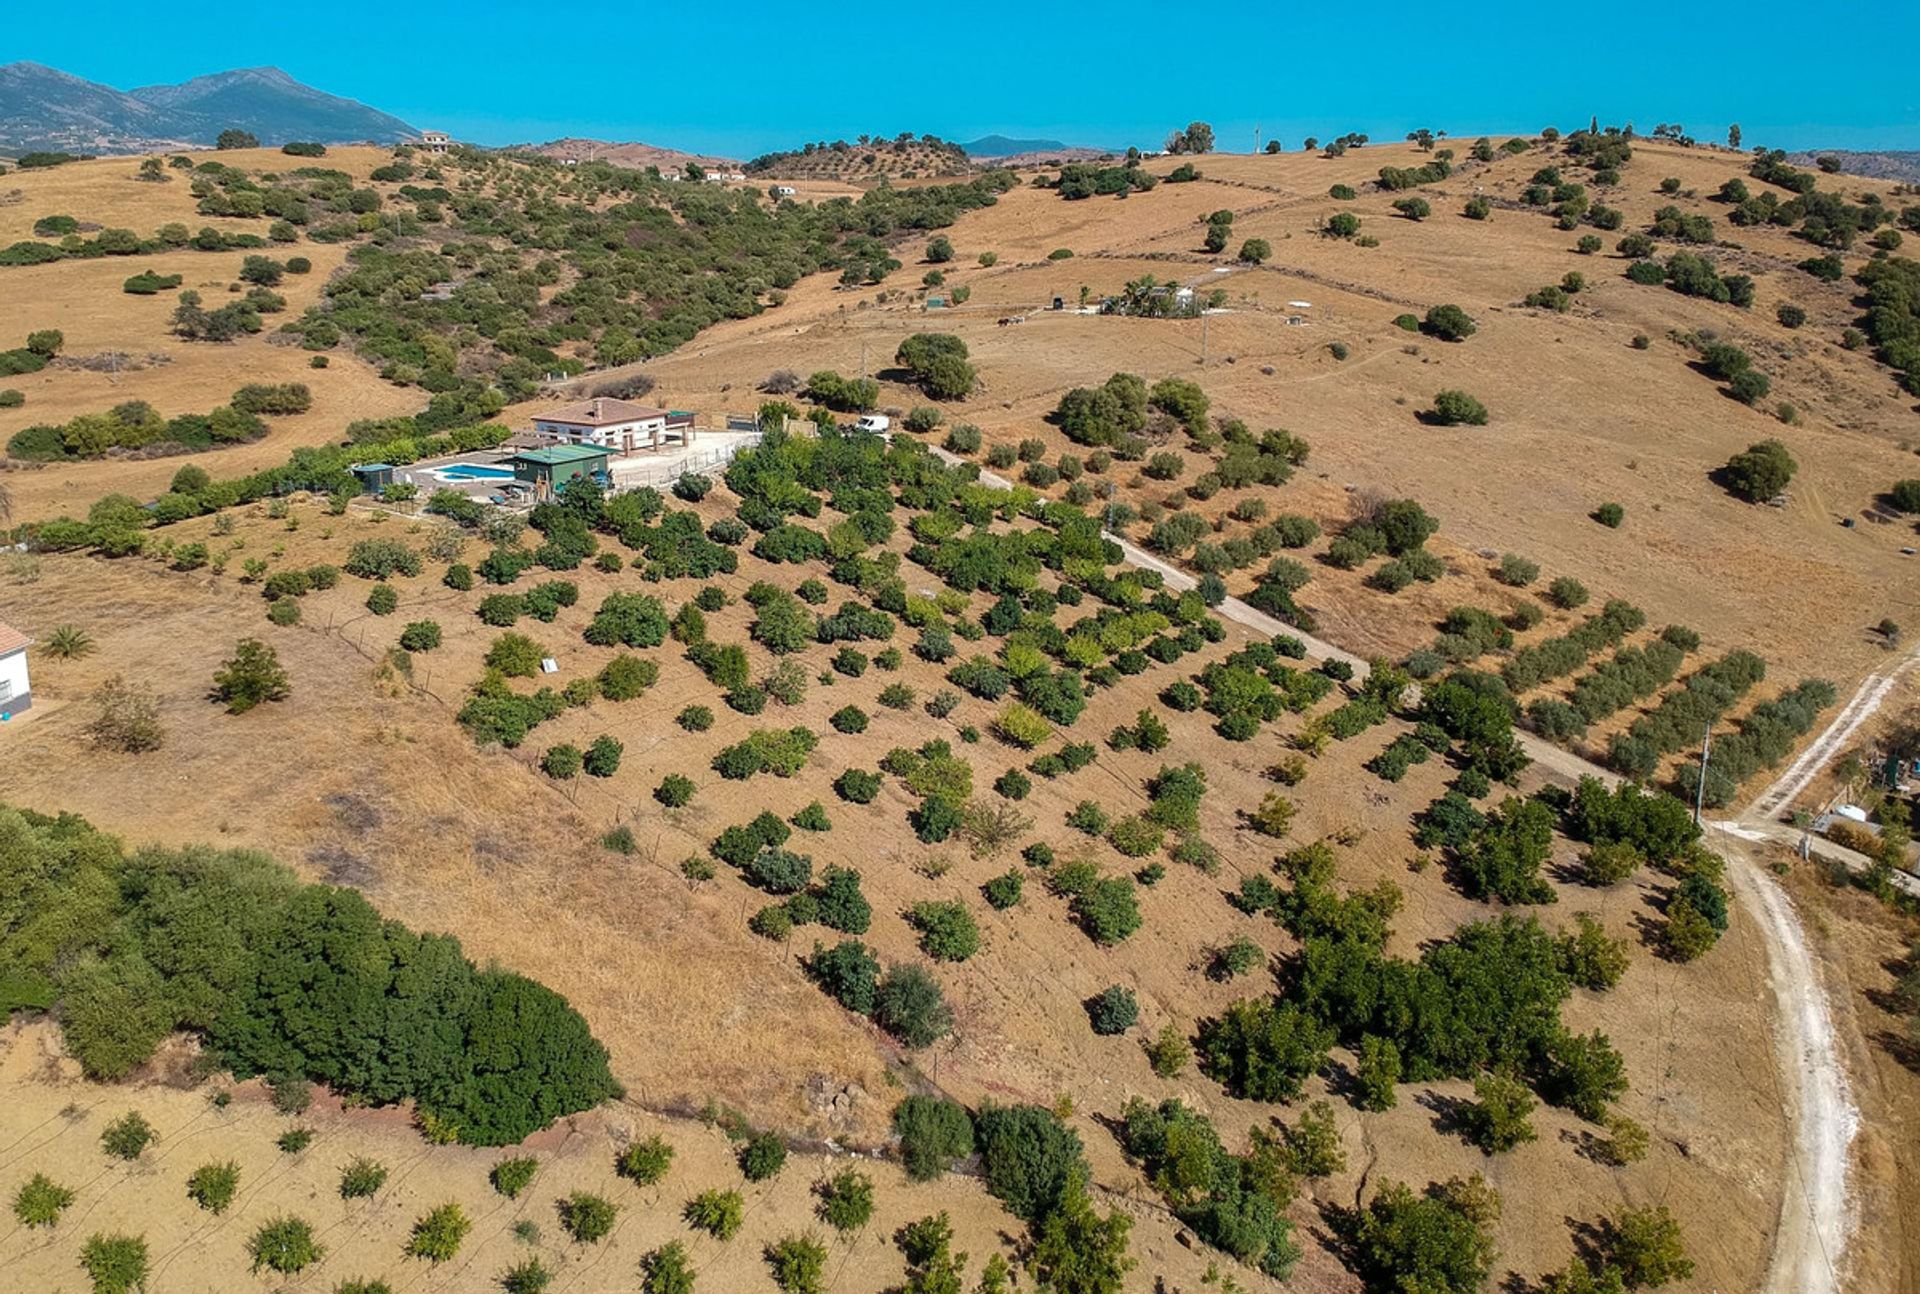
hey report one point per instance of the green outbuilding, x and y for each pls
(549, 469)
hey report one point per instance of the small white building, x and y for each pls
(16, 694)
(434, 141)
(784, 190)
(618, 425)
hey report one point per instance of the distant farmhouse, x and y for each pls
(619, 426)
(434, 141)
(16, 693)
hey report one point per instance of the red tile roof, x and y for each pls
(11, 639)
(600, 413)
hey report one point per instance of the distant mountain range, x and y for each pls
(1002, 146)
(44, 108)
(1873, 165)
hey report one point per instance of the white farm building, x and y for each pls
(617, 425)
(16, 693)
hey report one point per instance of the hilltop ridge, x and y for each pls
(45, 108)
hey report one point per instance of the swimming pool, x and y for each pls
(473, 472)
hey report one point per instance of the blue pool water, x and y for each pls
(474, 472)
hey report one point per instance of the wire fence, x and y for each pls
(699, 462)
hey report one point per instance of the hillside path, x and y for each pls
(1817, 1215)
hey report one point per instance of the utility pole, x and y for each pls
(1700, 791)
(1256, 137)
(1203, 336)
(863, 359)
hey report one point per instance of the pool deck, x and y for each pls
(710, 454)
(426, 475)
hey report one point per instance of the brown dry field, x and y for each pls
(365, 781)
(391, 797)
(83, 300)
(51, 1120)
(1578, 417)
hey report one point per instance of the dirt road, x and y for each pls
(1874, 689)
(1817, 1215)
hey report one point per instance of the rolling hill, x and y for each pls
(1875, 165)
(44, 108)
(633, 154)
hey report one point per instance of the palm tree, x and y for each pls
(69, 642)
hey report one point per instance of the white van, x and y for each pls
(878, 423)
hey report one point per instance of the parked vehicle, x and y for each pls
(878, 423)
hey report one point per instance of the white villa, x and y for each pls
(16, 694)
(618, 425)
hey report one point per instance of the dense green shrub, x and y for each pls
(1029, 1158)
(438, 1233)
(933, 1133)
(718, 1213)
(1457, 408)
(1442, 1240)
(1264, 1051)
(1234, 1203)
(1760, 471)
(212, 1186)
(40, 1201)
(947, 930)
(1448, 323)
(361, 1178)
(285, 987)
(285, 1245)
(116, 1264)
(587, 1217)
(1113, 1010)
(909, 1005)
(128, 1136)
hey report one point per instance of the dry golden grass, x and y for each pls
(1579, 417)
(83, 300)
(390, 796)
(369, 783)
(51, 1122)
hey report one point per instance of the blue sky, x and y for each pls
(753, 76)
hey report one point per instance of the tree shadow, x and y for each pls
(1343, 1081)
(1592, 1241)
(1450, 1114)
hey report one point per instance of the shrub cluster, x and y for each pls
(1554, 658)
(1767, 735)
(136, 425)
(1680, 719)
(294, 979)
(1235, 1203)
(906, 1001)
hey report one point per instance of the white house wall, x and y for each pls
(15, 694)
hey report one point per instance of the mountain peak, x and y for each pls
(43, 107)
